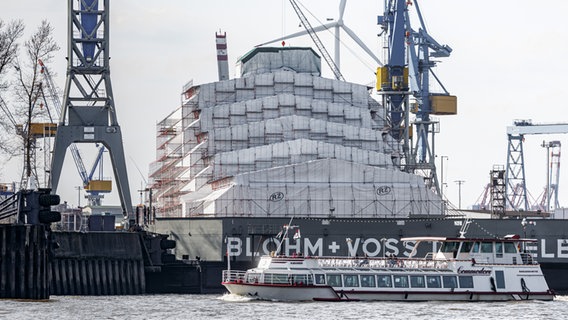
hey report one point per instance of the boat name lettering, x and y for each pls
(276, 196)
(383, 190)
(372, 247)
(481, 271)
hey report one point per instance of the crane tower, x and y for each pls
(88, 114)
(408, 74)
(515, 172)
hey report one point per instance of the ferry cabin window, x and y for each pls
(334, 280)
(277, 278)
(400, 281)
(450, 281)
(320, 278)
(433, 281)
(350, 280)
(450, 246)
(253, 277)
(499, 249)
(486, 247)
(466, 246)
(309, 279)
(367, 280)
(301, 279)
(475, 248)
(384, 281)
(510, 247)
(466, 281)
(417, 282)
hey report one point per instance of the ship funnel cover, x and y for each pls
(271, 59)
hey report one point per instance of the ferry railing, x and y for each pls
(233, 276)
(527, 258)
(269, 278)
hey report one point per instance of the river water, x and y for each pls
(231, 307)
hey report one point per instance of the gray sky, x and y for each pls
(506, 64)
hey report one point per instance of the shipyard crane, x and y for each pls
(552, 175)
(88, 113)
(405, 75)
(515, 172)
(408, 55)
(94, 188)
(482, 202)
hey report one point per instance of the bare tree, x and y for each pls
(27, 88)
(9, 35)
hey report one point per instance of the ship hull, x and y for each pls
(264, 292)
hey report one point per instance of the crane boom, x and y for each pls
(528, 127)
(50, 87)
(7, 112)
(97, 161)
(317, 41)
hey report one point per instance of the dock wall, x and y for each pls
(24, 262)
(97, 263)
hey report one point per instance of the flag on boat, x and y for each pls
(297, 235)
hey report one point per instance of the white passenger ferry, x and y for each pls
(463, 269)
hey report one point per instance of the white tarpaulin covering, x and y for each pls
(290, 152)
(282, 105)
(265, 85)
(291, 128)
(319, 188)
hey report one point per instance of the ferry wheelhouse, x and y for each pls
(463, 269)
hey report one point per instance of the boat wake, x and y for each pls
(229, 297)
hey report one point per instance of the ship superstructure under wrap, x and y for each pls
(282, 141)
